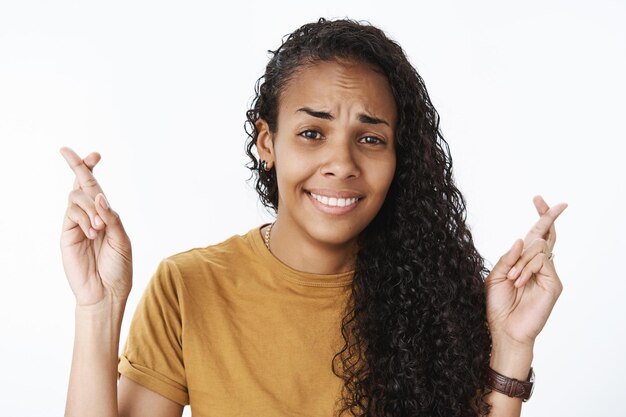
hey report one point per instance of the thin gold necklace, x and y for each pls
(267, 235)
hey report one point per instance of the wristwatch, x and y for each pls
(511, 386)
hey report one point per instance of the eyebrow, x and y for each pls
(363, 118)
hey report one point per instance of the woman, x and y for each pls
(365, 297)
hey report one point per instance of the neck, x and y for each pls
(303, 253)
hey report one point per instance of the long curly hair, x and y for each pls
(416, 340)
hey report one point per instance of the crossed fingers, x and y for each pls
(90, 161)
(544, 227)
(523, 261)
(84, 177)
(81, 200)
(530, 262)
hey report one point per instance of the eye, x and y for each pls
(310, 134)
(371, 140)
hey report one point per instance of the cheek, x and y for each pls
(294, 171)
(386, 172)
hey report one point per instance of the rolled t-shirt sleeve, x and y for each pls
(153, 355)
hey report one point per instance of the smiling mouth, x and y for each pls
(334, 201)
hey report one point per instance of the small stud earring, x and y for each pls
(264, 166)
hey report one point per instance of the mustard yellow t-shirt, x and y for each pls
(233, 331)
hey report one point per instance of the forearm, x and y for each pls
(93, 378)
(514, 362)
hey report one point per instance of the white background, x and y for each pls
(531, 98)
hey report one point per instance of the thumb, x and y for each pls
(506, 261)
(111, 219)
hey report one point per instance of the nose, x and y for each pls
(340, 161)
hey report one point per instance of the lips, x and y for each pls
(325, 192)
(335, 202)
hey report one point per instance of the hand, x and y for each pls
(96, 251)
(520, 300)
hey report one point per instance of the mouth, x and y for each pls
(339, 203)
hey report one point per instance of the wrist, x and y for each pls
(511, 360)
(103, 316)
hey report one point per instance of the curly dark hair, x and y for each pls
(416, 339)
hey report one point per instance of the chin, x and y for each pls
(334, 234)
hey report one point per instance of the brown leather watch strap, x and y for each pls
(511, 386)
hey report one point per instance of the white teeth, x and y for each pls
(333, 201)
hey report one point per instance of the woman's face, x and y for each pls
(333, 151)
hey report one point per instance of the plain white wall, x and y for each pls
(531, 98)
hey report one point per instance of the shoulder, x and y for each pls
(234, 245)
(213, 258)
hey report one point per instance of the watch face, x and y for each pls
(532, 379)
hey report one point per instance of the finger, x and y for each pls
(543, 207)
(91, 161)
(537, 246)
(539, 262)
(542, 228)
(506, 261)
(85, 178)
(111, 219)
(540, 204)
(550, 236)
(76, 217)
(87, 204)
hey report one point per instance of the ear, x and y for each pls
(265, 143)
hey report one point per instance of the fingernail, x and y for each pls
(104, 203)
(97, 220)
(512, 272)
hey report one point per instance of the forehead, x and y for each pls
(331, 85)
